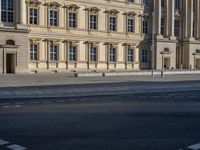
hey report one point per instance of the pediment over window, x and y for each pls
(35, 40)
(33, 3)
(93, 9)
(53, 5)
(92, 43)
(129, 44)
(130, 14)
(72, 7)
(72, 42)
(145, 15)
(111, 44)
(112, 11)
(166, 51)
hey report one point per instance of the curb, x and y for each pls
(142, 73)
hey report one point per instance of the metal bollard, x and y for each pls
(162, 74)
(104, 74)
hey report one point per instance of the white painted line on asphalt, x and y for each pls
(195, 147)
(12, 106)
(16, 147)
(2, 142)
(5, 104)
(33, 102)
(48, 102)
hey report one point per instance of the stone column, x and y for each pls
(167, 17)
(198, 18)
(191, 18)
(172, 9)
(158, 14)
(1, 24)
(185, 6)
(22, 15)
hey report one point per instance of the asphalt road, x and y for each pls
(153, 121)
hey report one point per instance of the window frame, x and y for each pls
(34, 17)
(53, 19)
(34, 52)
(6, 11)
(112, 55)
(76, 19)
(53, 51)
(72, 53)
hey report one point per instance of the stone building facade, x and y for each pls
(103, 35)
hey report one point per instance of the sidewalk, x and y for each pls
(62, 85)
(66, 79)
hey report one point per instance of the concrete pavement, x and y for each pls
(60, 85)
(68, 79)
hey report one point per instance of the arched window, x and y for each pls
(10, 42)
(166, 50)
(7, 8)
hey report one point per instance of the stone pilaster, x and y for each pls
(136, 55)
(167, 17)
(22, 15)
(191, 18)
(197, 18)
(172, 10)
(185, 6)
(158, 14)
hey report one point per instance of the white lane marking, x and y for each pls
(2, 142)
(195, 147)
(12, 106)
(16, 147)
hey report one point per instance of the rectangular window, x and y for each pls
(177, 28)
(53, 18)
(162, 3)
(130, 25)
(7, 10)
(112, 54)
(177, 4)
(162, 28)
(33, 16)
(194, 29)
(130, 55)
(145, 26)
(93, 53)
(146, 2)
(72, 53)
(93, 22)
(72, 19)
(144, 56)
(130, 1)
(53, 52)
(33, 52)
(113, 23)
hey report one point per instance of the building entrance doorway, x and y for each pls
(197, 63)
(10, 63)
(166, 63)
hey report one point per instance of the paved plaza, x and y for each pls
(62, 85)
(22, 80)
